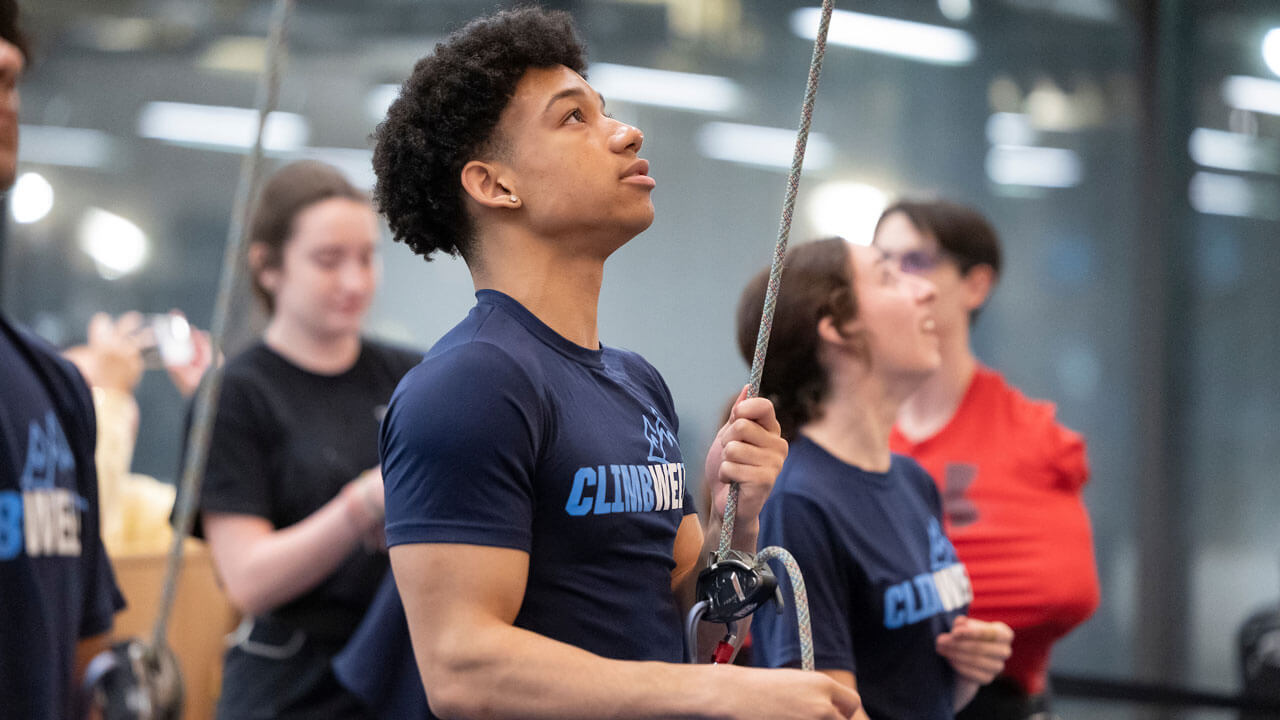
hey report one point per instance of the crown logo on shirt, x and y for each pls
(659, 437)
(941, 552)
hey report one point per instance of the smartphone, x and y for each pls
(168, 341)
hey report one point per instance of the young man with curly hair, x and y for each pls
(541, 533)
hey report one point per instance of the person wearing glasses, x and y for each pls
(1010, 475)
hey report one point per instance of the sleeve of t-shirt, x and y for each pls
(237, 472)
(799, 524)
(1070, 460)
(1062, 448)
(459, 448)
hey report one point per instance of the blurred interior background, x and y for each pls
(1127, 150)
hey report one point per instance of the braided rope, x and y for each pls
(780, 249)
(799, 595)
(233, 260)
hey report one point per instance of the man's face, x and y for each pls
(575, 170)
(11, 64)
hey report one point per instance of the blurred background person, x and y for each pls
(1010, 475)
(852, 338)
(291, 505)
(58, 595)
(134, 507)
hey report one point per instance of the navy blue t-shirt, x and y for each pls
(56, 585)
(509, 435)
(882, 578)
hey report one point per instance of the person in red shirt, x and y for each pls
(1010, 476)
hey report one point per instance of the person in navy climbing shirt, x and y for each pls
(542, 537)
(853, 337)
(57, 592)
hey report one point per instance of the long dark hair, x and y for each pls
(817, 282)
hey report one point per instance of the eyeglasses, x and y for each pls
(916, 262)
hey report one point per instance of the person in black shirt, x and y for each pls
(292, 503)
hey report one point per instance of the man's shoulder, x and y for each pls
(476, 363)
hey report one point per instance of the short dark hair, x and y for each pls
(962, 233)
(292, 189)
(10, 30)
(446, 115)
(817, 282)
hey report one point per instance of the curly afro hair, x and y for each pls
(446, 115)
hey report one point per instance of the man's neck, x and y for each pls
(857, 418)
(559, 286)
(930, 408)
(323, 355)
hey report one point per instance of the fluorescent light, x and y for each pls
(665, 88)
(761, 146)
(218, 128)
(901, 38)
(1217, 194)
(117, 246)
(1007, 128)
(73, 147)
(1034, 166)
(1271, 49)
(31, 198)
(847, 209)
(235, 53)
(1234, 151)
(1252, 93)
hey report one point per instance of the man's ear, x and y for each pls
(978, 284)
(485, 184)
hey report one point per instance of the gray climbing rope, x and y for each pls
(206, 406)
(766, 327)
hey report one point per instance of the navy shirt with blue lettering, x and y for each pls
(56, 585)
(509, 435)
(883, 580)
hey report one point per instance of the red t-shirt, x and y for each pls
(1010, 479)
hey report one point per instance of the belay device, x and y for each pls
(736, 584)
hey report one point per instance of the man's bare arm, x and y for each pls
(461, 601)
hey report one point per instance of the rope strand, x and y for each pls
(780, 249)
(206, 405)
(799, 595)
